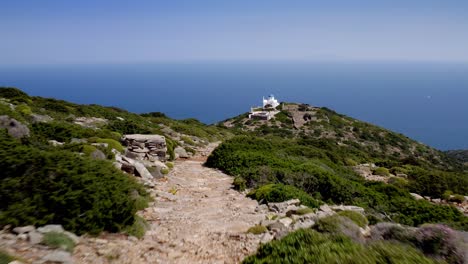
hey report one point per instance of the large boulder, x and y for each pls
(36, 118)
(15, 128)
(181, 152)
(98, 155)
(142, 170)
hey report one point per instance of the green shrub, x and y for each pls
(24, 109)
(257, 230)
(188, 140)
(61, 187)
(239, 183)
(113, 144)
(88, 150)
(280, 193)
(308, 246)
(381, 171)
(164, 171)
(304, 211)
(337, 224)
(138, 228)
(14, 94)
(356, 217)
(4, 257)
(170, 165)
(58, 240)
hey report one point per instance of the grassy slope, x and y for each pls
(57, 184)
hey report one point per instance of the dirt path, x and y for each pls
(204, 222)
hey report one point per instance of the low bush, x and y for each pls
(113, 144)
(164, 171)
(337, 224)
(441, 242)
(434, 240)
(280, 193)
(239, 183)
(58, 240)
(257, 230)
(5, 258)
(381, 171)
(57, 186)
(304, 211)
(138, 228)
(309, 246)
(356, 217)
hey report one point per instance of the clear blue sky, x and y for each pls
(113, 31)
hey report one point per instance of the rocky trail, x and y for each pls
(195, 218)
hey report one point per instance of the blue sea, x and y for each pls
(425, 101)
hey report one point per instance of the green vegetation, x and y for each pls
(257, 230)
(382, 171)
(5, 258)
(304, 211)
(356, 217)
(58, 186)
(239, 184)
(58, 240)
(42, 184)
(317, 170)
(308, 246)
(138, 228)
(280, 193)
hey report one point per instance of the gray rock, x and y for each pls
(58, 256)
(156, 173)
(142, 170)
(16, 262)
(117, 165)
(276, 226)
(261, 208)
(266, 237)
(98, 155)
(78, 141)
(15, 128)
(181, 152)
(417, 196)
(339, 208)
(307, 223)
(325, 208)
(51, 228)
(23, 236)
(55, 143)
(283, 207)
(286, 221)
(35, 237)
(104, 145)
(23, 229)
(36, 118)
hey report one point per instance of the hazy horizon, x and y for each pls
(62, 32)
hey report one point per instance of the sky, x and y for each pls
(114, 31)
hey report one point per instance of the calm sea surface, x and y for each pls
(427, 102)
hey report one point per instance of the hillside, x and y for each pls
(367, 142)
(460, 155)
(324, 186)
(63, 160)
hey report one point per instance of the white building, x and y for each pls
(270, 102)
(267, 111)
